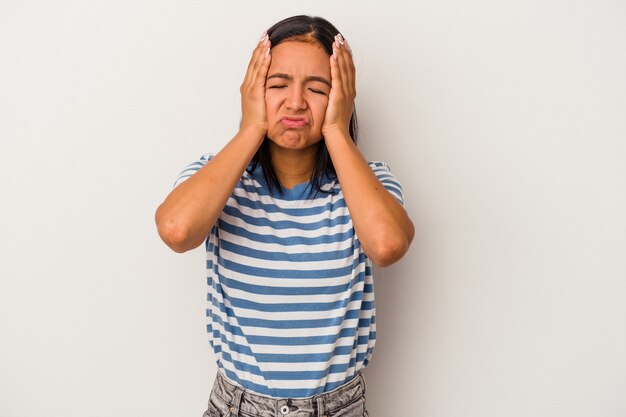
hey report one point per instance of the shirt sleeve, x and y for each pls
(192, 169)
(388, 180)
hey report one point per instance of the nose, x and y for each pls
(295, 98)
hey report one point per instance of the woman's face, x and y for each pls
(296, 94)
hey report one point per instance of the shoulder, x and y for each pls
(387, 179)
(378, 166)
(382, 170)
(192, 168)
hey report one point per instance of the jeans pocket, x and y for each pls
(354, 409)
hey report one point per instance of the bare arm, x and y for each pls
(383, 226)
(189, 212)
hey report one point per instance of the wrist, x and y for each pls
(333, 133)
(253, 131)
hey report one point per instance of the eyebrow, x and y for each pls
(307, 79)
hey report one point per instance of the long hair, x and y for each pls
(315, 29)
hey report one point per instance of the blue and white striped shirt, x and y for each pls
(290, 291)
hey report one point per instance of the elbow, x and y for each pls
(173, 234)
(390, 250)
(388, 254)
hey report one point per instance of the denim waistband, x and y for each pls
(230, 399)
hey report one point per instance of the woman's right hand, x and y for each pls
(192, 208)
(252, 89)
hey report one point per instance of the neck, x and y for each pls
(293, 167)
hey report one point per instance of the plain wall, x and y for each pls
(505, 122)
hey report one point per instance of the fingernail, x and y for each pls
(266, 41)
(267, 53)
(340, 38)
(335, 54)
(263, 36)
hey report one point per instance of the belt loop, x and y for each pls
(320, 406)
(237, 397)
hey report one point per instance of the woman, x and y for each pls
(292, 217)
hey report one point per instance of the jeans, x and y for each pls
(229, 400)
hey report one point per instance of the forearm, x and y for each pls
(381, 223)
(191, 209)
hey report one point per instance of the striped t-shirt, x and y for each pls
(290, 291)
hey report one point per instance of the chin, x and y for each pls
(292, 140)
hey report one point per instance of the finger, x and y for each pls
(257, 55)
(343, 73)
(351, 74)
(264, 65)
(261, 66)
(346, 64)
(335, 72)
(257, 49)
(343, 59)
(262, 54)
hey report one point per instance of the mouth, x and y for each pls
(293, 122)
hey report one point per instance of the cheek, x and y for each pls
(270, 105)
(320, 108)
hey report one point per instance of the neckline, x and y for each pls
(297, 192)
(301, 191)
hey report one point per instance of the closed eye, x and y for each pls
(277, 86)
(317, 91)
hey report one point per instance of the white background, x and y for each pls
(505, 122)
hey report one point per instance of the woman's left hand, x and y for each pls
(384, 228)
(343, 89)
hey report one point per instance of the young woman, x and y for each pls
(292, 217)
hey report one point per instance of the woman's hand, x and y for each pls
(190, 211)
(252, 89)
(343, 89)
(384, 228)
